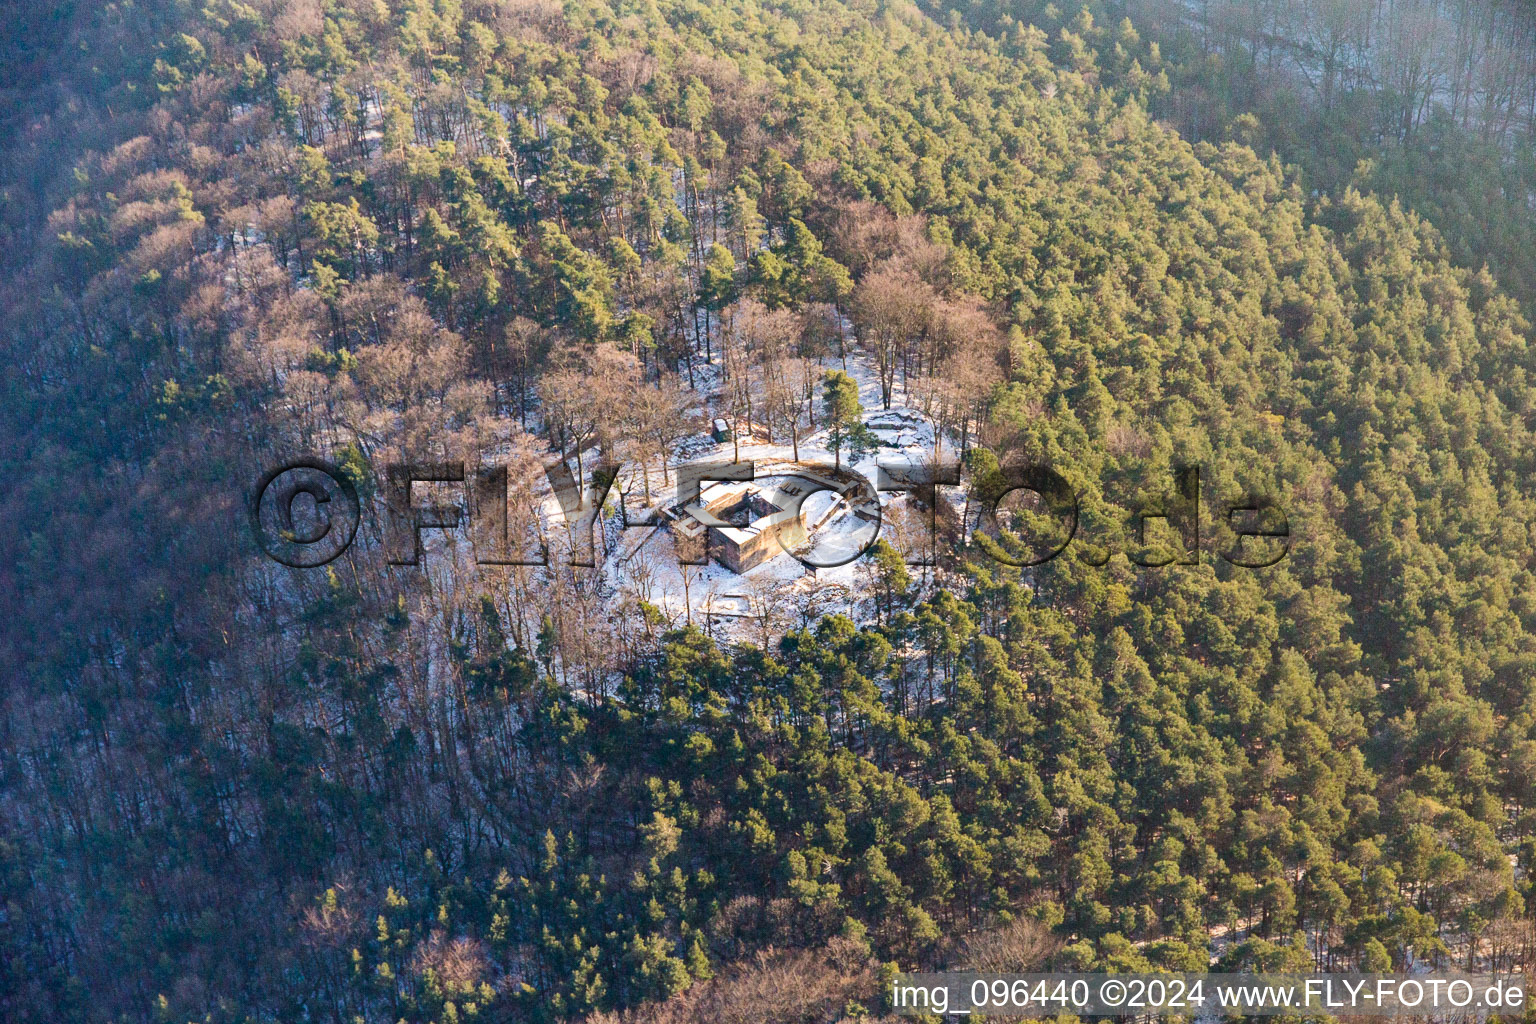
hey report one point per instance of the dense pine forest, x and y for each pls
(1430, 100)
(511, 231)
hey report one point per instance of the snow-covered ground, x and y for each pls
(827, 574)
(636, 551)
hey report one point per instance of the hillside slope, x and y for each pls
(236, 791)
